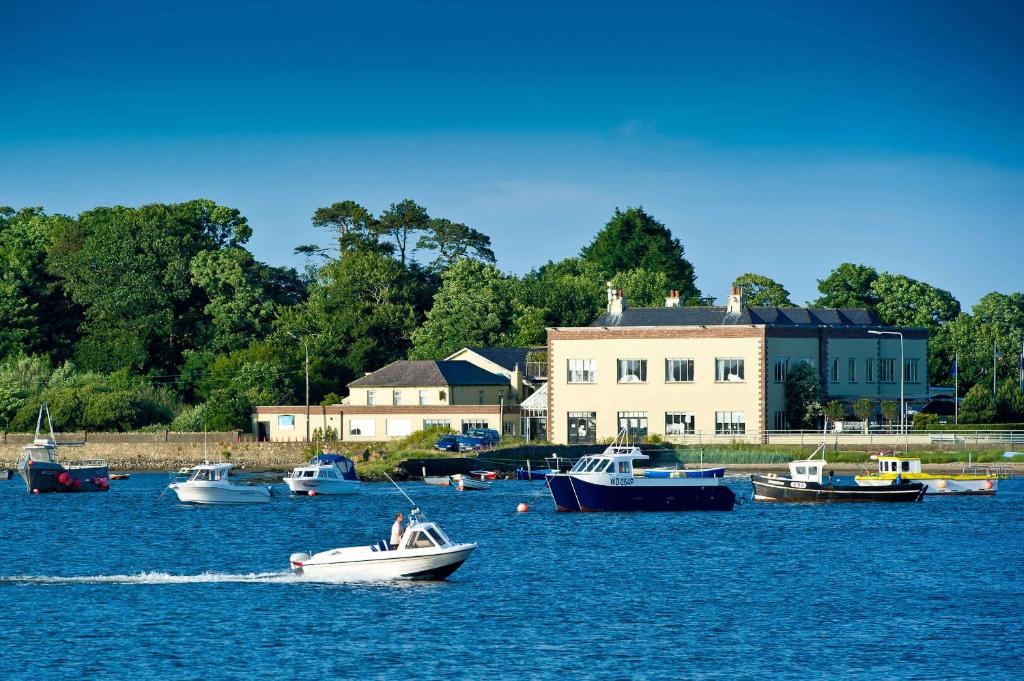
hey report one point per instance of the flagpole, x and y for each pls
(993, 367)
(956, 390)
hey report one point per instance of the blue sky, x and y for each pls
(780, 138)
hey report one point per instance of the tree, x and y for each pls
(642, 288)
(847, 286)
(1009, 401)
(890, 411)
(36, 315)
(238, 307)
(400, 223)
(978, 406)
(453, 241)
(803, 396)
(908, 302)
(835, 410)
(759, 290)
(864, 409)
(474, 306)
(352, 227)
(571, 292)
(633, 239)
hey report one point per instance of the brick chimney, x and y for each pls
(672, 299)
(616, 301)
(735, 301)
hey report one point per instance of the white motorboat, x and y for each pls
(465, 483)
(208, 483)
(325, 474)
(425, 553)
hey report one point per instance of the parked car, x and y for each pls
(458, 443)
(488, 435)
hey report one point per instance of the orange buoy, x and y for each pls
(312, 493)
(522, 507)
(35, 491)
(941, 484)
(988, 484)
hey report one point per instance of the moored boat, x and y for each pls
(424, 553)
(891, 466)
(534, 473)
(805, 483)
(209, 483)
(483, 475)
(467, 483)
(606, 482)
(324, 474)
(716, 472)
(437, 480)
(42, 470)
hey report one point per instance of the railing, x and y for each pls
(877, 437)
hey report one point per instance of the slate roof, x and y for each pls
(718, 316)
(411, 373)
(507, 358)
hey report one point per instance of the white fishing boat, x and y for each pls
(466, 483)
(209, 483)
(972, 481)
(437, 480)
(424, 553)
(324, 474)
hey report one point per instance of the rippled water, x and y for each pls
(125, 584)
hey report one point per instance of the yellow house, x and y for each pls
(717, 373)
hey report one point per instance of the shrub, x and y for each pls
(803, 395)
(863, 409)
(978, 405)
(890, 411)
(835, 410)
(1009, 401)
(925, 421)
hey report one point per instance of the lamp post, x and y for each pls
(903, 411)
(305, 345)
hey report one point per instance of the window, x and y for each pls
(729, 369)
(800, 470)
(834, 370)
(887, 370)
(398, 427)
(480, 397)
(371, 398)
(582, 427)
(420, 540)
(633, 422)
(286, 422)
(396, 397)
(869, 370)
(781, 369)
(678, 370)
(679, 423)
(437, 423)
(851, 370)
(906, 466)
(424, 397)
(508, 428)
(730, 423)
(910, 371)
(632, 371)
(364, 427)
(474, 424)
(779, 421)
(581, 371)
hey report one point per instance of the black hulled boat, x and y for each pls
(43, 471)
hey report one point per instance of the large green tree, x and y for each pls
(759, 290)
(641, 287)
(848, 285)
(570, 292)
(352, 227)
(400, 224)
(36, 315)
(803, 396)
(908, 302)
(452, 241)
(633, 239)
(979, 406)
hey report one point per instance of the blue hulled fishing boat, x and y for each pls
(606, 482)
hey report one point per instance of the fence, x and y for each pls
(872, 439)
(219, 437)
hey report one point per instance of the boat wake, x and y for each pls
(154, 578)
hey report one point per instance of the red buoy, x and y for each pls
(522, 507)
(76, 483)
(311, 493)
(35, 491)
(64, 478)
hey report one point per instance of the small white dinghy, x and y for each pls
(425, 553)
(466, 483)
(325, 474)
(209, 484)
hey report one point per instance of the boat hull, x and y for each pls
(572, 493)
(768, 488)
(232, 494)
(386, 566)
(305, 486)
(939, 486)
(45, 477)
(534, 474)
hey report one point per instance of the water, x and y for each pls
(126, 585)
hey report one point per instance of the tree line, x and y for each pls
(159, 316)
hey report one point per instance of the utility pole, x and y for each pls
(305, 343)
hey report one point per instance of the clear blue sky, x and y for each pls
(780, 138)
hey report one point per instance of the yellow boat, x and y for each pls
(908, 468)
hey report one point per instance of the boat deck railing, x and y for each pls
(992, 471)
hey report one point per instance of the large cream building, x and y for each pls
(717, 372)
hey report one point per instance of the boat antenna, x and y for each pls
(402, 491)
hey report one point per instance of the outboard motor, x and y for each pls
(296, 560)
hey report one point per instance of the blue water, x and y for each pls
(126, 585)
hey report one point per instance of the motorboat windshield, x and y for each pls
(212, 473)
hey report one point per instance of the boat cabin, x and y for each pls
(897, 464)
(614, 460)
(808, 470)
(425, 535)
(211, 472)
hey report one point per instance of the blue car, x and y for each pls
(487, 435)
(458, 443)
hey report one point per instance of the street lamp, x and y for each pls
(903, 411)
(305, 344)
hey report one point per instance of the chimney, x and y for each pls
(735, 301)
(672, 300)
(616, 301)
